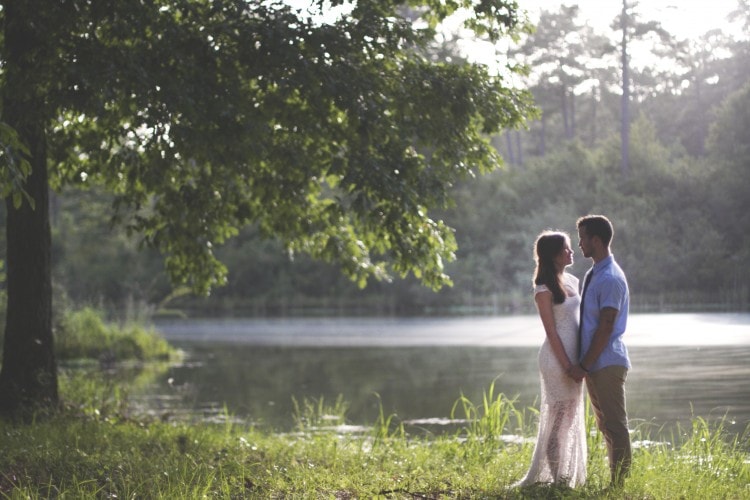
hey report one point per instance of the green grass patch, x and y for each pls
(84, 334)
(101, 452)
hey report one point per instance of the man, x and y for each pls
(604, 360)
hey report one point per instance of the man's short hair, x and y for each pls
(597, 225)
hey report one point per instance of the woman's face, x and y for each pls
(565, 257)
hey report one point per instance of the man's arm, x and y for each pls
(601, 337)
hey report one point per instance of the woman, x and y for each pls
(560, 451)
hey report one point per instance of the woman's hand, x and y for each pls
(576, 372)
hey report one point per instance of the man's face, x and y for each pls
(584, 242)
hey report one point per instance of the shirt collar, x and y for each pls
(605, 262)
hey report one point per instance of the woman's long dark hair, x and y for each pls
(548, 245)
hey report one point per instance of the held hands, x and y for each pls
(576, 372)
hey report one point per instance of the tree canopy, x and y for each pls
(334, 137)
(679, 216)
(201, 117)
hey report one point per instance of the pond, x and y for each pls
(683, 365)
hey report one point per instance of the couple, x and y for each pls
(592, 350)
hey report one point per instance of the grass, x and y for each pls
(84, 334)
(94, 449)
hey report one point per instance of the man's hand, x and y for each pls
(576, 373)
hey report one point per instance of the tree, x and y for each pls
(625, 108)
(729, 152)
(202, 117)
(556, 48)
(563, 54)
(740, 49)
(689, 85)
(632, 31)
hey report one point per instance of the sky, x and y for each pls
(682, 18)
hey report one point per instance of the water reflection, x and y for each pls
(684, 365)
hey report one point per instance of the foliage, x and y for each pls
(685, 258)
(673, 237)
(102, 454)
(95, 262)
(729, 151)
(84, 334)
(332, 137)
(14, 166)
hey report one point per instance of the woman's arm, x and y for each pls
(544, 306)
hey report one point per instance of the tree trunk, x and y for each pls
(564, 110)
(572, 115)
(28, 378)
(509, 144)
(625, 108)
(596, 95)
(519, 150)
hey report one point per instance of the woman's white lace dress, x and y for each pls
(560, 451)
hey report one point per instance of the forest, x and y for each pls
(680, 204)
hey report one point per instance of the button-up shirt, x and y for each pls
(608, 288)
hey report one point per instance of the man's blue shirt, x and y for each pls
(607, 288)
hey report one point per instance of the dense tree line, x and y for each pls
(680, 213)
(681, 223)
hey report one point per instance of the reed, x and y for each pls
(494, 418)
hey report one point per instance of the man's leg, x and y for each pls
(607, 393)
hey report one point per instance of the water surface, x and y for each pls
(683, 365)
